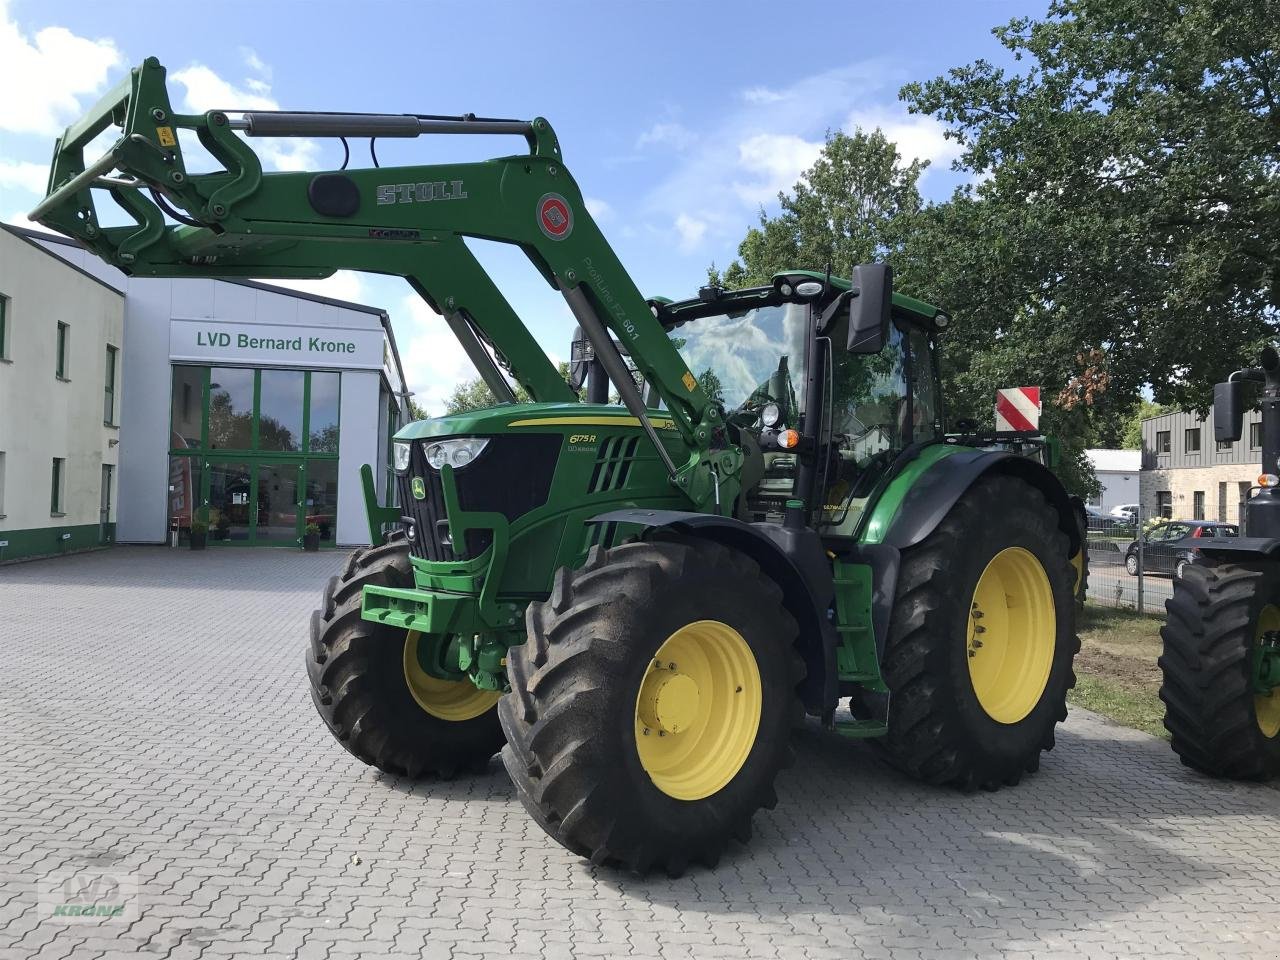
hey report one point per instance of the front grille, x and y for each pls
(511, 476)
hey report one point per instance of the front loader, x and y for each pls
(636, 602)
(1221, 657)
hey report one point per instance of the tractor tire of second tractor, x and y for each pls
(981, 640)
(1220, 722)
(372, 693)
(651, 707)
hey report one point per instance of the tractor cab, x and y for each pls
(772, 354)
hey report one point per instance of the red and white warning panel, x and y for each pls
(1018, 410)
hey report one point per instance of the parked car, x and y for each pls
(1105, 525)
(1170, 545)
(1125, 511)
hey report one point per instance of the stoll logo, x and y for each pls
(89, 896)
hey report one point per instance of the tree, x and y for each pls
(1128, 191)
(475, 394)
(852, 206)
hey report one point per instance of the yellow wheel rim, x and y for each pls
(1012, 632)
(1266, 706)
(451, 700)
(698, 710)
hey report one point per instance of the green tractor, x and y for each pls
(1221, 658)
(635, 602)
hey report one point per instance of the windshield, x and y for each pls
(735, 354)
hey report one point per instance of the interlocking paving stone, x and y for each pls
(157, 725)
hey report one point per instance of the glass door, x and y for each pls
(279, 507)
(228, 494)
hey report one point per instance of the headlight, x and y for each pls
(770, 415)
(401, 449)
(457, 453)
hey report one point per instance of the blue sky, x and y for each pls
(678, 119)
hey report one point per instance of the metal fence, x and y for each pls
(1122, 573)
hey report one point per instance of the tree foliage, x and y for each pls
(1120, 231)
(475, 394)
(1130, 193)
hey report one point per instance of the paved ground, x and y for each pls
(158, 732)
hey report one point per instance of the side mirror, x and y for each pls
(580, 356)
(869, 310)
(1228, 411)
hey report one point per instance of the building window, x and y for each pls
(1, 485)
(322, 419)
(1162, 441)
(64, 344)
(1191, 439)
(109, 399)
(231, 391)
(4, 327)
(1255, 436)
(1224, 445)
(59, 483)
(1164, 503)
(1197, 505)
(280, 403)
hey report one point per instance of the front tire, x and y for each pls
(370, 689)
(1218, 722)
(1131, 564)
(651, 707)
(982, 638)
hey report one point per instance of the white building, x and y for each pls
(1117, 472)
(61, 339)
(246, 406)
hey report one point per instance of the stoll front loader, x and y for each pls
(639, 600)
(1221, 658)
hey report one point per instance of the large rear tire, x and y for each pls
(651, 707)
(982, 639)
(371, 691)
(1218, 722)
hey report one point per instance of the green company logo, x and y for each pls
(419, 489)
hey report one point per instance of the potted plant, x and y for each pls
(221, 527)
(199, 534)
(311, 538)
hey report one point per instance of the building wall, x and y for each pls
(151, 305)
(1182, 483)
(42, 417)
(1178, 424)
(1117, 488)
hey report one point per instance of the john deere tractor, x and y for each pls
(1221, 659)
(635, 602)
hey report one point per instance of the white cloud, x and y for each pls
(44, 75)
(434, 362)
(691, 231)
(668, 134)
(762, 95)
(918, 137)
(599, 209)
(254, 63)
(24, 175)
(206, 90)
(774, 163)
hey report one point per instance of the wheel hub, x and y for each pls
(669, 700)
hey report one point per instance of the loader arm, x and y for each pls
(406, 221)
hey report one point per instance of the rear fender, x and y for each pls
(1238, 549)
(804, 599)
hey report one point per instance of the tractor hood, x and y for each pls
(521, 417)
